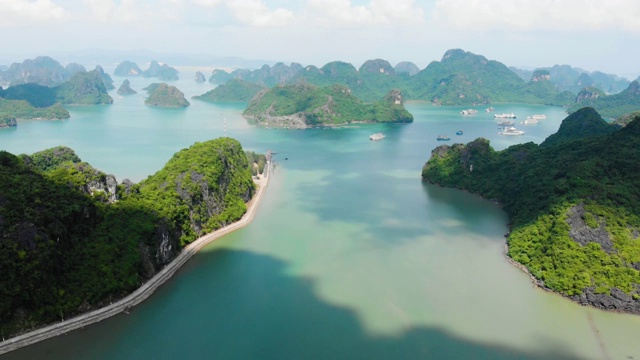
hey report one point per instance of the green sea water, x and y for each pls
(350, 255)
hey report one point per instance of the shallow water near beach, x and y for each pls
(350, 255)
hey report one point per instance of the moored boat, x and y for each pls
(459, 132)
(377, 136)
(505, 116)
(506, 123)
(539, 116)
(530, 120)
(511, 131)
(443, 138)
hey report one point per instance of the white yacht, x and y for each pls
(505, 116)
(469, 112)
(539, 116)
(378, 136)
(511, 131)
(530, 120)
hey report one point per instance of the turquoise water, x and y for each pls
(350, 255)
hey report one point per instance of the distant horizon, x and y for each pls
(594, 35)
(90, 58)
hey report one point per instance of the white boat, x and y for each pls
(469, 112)
(505, 116)
(378, 136)
(539, 116)
(511, 131)
(489, 109)
(530, 120)
(506, 123)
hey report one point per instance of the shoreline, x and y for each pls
(148, 288)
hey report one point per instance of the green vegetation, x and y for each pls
(84, 89)
(314, 106)
(256, 162)
(163, 95)
(66, 248)
(233, 90)
(584, 177)
(21, 109)
(613, 106)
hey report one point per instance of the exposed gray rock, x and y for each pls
(583, 234)
(618, 300)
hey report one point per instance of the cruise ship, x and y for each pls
(530, 120)
(539, 116)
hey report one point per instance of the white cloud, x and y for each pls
(256, 13)
(524, 15)
(107, 11)
(28, 13)
(343, 12)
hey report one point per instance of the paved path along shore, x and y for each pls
(146, 289)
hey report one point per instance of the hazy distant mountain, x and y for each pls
(42, 70)
(163, 72)
(74, 68)
(127, 68)
(611, 106)
(524, 74)
(566, 77)
(406, 67)
(199, 77)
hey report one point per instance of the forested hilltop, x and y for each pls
(459, 78)
(73, 239)
(574, 203)
(303, 105)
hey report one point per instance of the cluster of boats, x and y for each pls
(507, 125)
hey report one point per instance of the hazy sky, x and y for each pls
(591, 34)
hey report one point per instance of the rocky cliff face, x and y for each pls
(541, 75)
(42, 70)
(589, 95)
(164, 95)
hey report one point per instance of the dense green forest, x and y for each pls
(73, 239)
(21, 109)
(316, 106)
(460, 78)
(574, 203)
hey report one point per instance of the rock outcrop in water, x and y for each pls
(125, 88)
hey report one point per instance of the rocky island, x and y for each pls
(303, 105)
(163, 95)
(233, 90)
(127, 233)
(163, 72)
(7, 121)
(127, 68)
(199, 77)
(125, 88)
(573, 202)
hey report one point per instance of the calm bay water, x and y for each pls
(350, 255)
